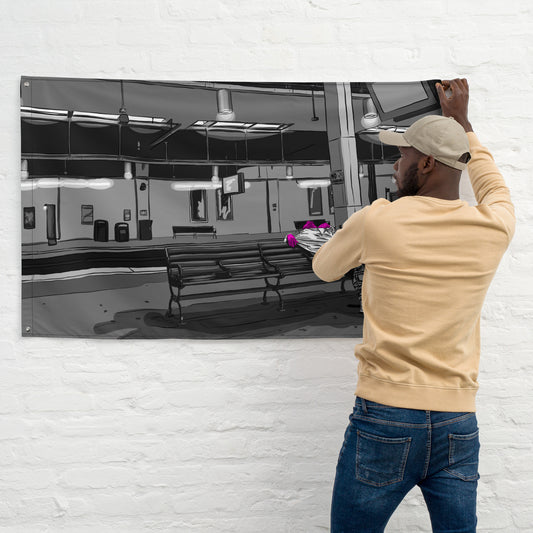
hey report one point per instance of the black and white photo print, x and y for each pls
(192, 209)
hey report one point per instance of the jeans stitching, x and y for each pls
(385, 440)
(403, 462)
(474, 477)
(454, 420)
(428, 452)
(389, 422)
(370, 418)
(452, 438)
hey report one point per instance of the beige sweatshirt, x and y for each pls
(428, 265)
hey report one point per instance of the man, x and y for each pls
(429, 259)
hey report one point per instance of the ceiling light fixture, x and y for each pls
(142, 121)
(99, 184)
(74, 183)
(237, 130)
(194, 185)
(215, 178)
(370, 117)
(313, 183)
(199, 185)
(289, 172)
(49, 183)
(127, 170)
(43, 116)
(28, 185)
(225, 127)
(24, 174)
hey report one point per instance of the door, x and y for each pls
(51, 227)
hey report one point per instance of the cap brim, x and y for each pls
(393, 138)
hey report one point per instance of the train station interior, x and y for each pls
(115, 173)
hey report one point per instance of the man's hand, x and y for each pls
(456, 104)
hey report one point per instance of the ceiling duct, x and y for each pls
(225, 106)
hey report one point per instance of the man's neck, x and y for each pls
(443, 185)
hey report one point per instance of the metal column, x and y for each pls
(342, 149)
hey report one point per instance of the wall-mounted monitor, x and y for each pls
(233, 184)
(404, 100)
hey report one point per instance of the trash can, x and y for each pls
(122, 232)
(101, 230)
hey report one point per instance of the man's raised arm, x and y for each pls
(487, 181)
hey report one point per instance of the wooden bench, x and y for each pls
(271, 262)
(194, 230)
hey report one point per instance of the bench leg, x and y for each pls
(274, 288)
(180, 316)
(281, 305)
(169, 311)
(174, 298)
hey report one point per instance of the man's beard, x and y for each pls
(409, 186)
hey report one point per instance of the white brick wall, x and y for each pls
(133, 436)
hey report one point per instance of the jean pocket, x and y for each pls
(463, 457)
(380, 460)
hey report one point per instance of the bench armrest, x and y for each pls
(222, 267)
(267, 263)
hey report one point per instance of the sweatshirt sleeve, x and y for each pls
(343, 251)
(489, 186)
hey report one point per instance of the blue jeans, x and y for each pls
(388, 450)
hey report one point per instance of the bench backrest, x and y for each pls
(193, 229)
(281, 251)
(192, 261)
(215, 251)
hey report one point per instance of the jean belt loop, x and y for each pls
(363, 405)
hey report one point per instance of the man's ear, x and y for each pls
(427, 164)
